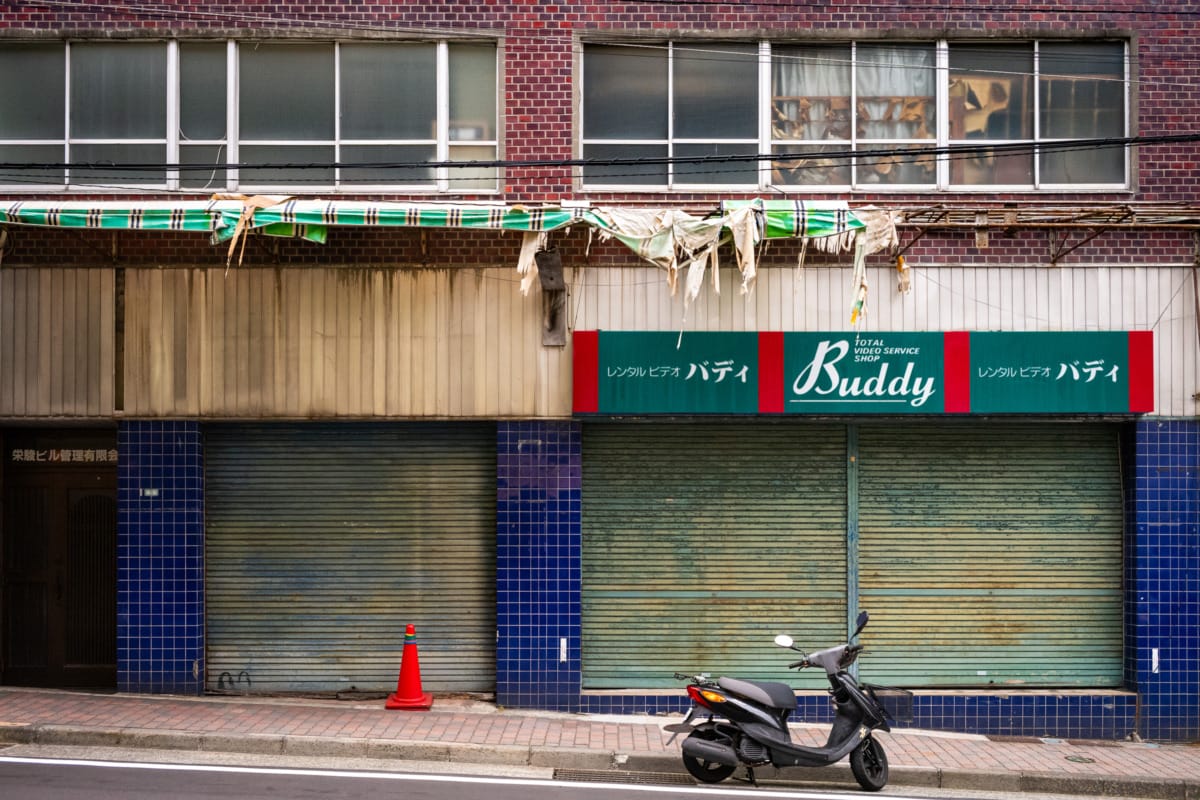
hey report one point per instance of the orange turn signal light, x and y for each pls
(712, 697)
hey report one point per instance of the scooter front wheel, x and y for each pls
(706, 771)
(869, 764)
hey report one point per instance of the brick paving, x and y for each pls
(461, 722)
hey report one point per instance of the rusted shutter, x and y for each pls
(990, 554)
(325, 540)
(702, 541)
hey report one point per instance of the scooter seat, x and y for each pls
(775, 695)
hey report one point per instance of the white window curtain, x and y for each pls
(897, 92)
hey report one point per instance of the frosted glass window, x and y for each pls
(34, 78)
(298, 165)
(355, 156)
(119, 90)
(625, 174)
(625, 92)
(106, 164)
(388, 91)
(1081, 90)
(202, 69)
(306, 114)
(472, 92)
(715, 173)
(286, 91)
(205, 170)
(32, 154)
(716, 92)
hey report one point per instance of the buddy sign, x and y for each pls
(956, 372)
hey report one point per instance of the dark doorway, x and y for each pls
(59, 571)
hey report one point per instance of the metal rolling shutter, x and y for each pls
(702, 540)
(990, 554)
(325, 540)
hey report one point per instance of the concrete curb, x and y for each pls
(586, 760)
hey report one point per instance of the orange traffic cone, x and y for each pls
(408, 694)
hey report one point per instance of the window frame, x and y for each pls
(941, 172)
(175, 145)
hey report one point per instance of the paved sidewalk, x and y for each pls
(469, 731)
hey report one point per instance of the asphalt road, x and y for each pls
(35, 772)
(62, 779)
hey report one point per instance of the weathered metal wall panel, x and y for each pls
(463, 343)
(990, 554)
(56, 343)
(324, 540)
(703, 541)
(303, 343)
(942, 298)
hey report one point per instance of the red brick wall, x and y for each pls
(541, 41)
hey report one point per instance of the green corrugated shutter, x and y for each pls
(702, 540)
(325, 540)
(990, 554)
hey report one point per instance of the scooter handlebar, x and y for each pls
(798, 664)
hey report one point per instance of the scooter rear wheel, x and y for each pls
(869, 764)
(706, 771)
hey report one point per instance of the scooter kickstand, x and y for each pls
(750, 777)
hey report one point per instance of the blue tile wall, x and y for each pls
(1163, 568)
(538, 591)
(1077, 716)
(539, 551)
(160, 558)
(538, 562)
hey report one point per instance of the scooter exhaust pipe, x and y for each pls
(714, 752)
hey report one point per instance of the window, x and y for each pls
(841, 99)
(649, 104)
(912, 115)
(218, 116)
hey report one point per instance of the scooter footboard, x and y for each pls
(843, 728)
(787, 754)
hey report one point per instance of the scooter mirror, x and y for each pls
(863, 617)
(783, 640)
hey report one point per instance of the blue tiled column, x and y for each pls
(538, 558)
(1163, 612)
(160, 558)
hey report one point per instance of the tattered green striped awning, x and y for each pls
(310, 218)
(670, 238)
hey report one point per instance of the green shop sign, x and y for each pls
(953, 372)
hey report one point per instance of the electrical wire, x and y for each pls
(907, 151)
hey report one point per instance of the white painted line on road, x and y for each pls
(404, 776)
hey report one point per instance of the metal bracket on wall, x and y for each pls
(926, 227)
(1059, 248)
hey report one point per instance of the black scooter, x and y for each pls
(755, 732)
